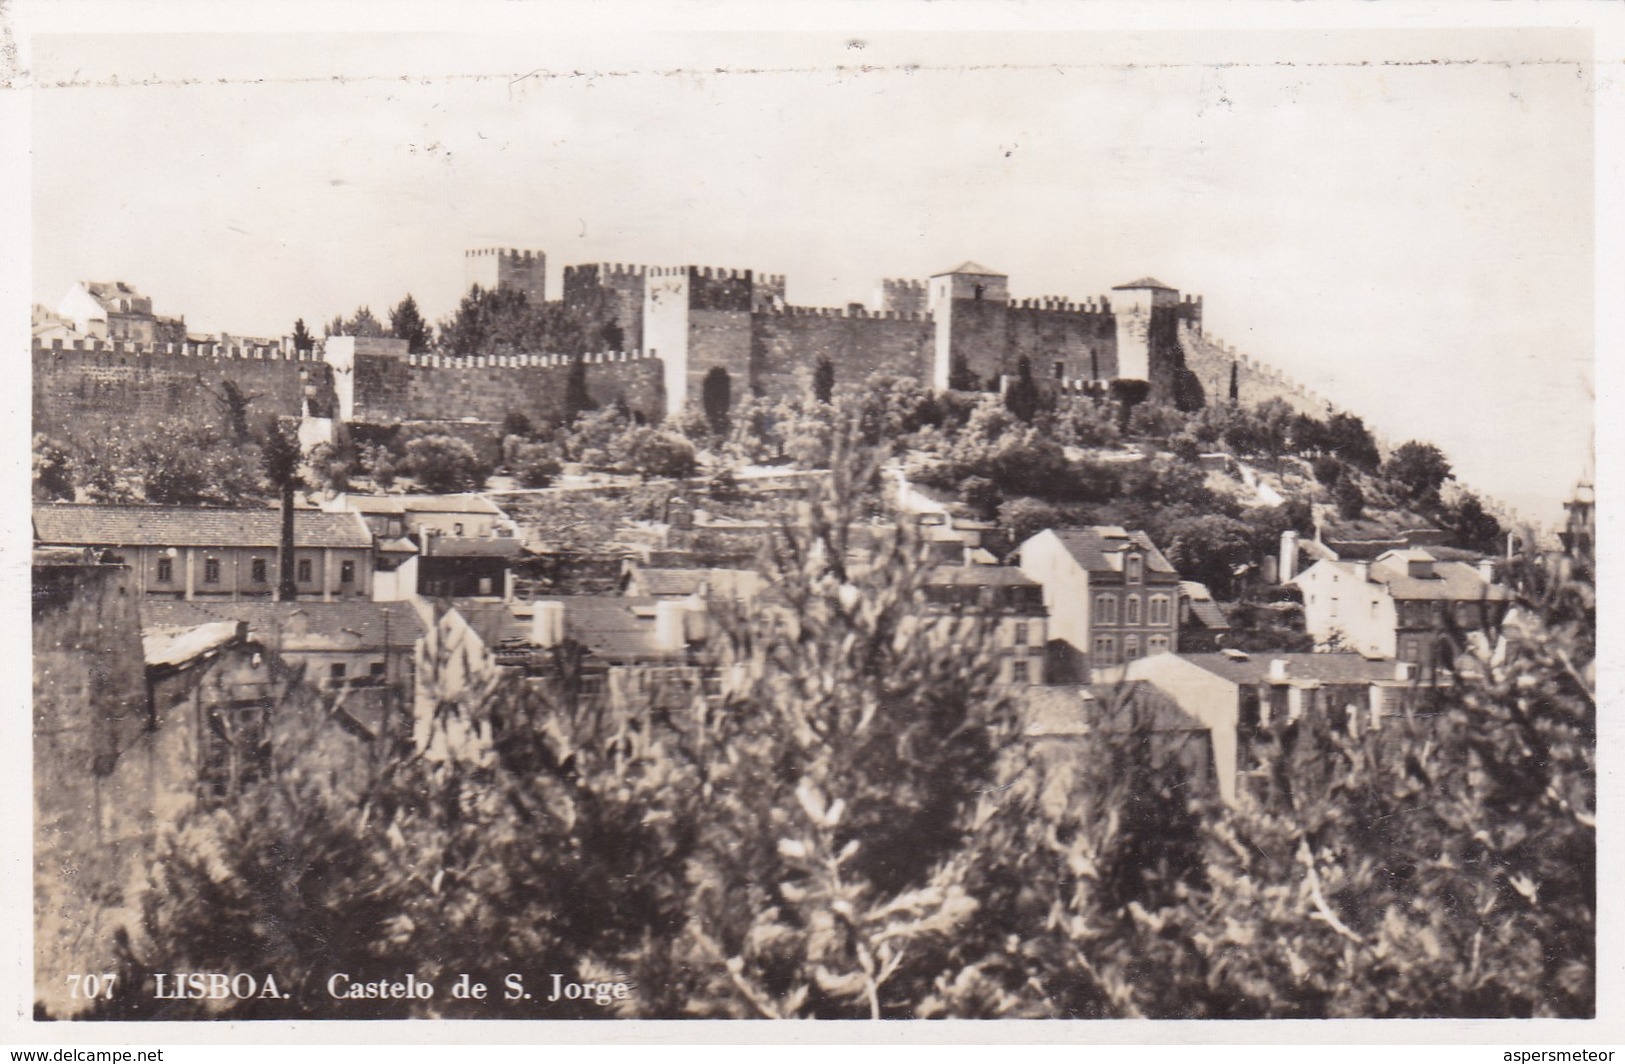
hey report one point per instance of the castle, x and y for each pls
(958, 329)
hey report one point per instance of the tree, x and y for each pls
(1348, 438)
(362, 323)
(1235, 383)
(53, 479)
(515, 423)
(1022, 397)
(536, 465)
(651, 452)
(577, 400)
(405, 323)
(1350, 498)
(279, 452)
(503, 321)
(982, 496)
(444, 464)
(716, 397)
(1209, 549)
(1471, 526)
(302, 340)
(1025, 518)
(1418, 470)
(823, 382)
(960, 377)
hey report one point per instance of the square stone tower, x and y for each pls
(507, 269)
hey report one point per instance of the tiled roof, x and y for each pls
(1203, 609)
(721, 583)
(1144, 282)
(297, 626)
(1075, 710)
(1327, 668)
(1451, 581)
(972, 268)
(615, 628)
(471, 547)
(179, 645)
(465, 503)
(71, 524)
(978, 576)
(1101, 549)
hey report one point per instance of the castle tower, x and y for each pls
(1136, 303)
(498, 269)
(968, 305)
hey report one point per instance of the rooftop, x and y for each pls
(140, 525)
(1103, 548)
(978, 576)
(176, 646)
(1327, 668)
(296, 626)
(1203, 609)
(973, 268)
(1144, 282)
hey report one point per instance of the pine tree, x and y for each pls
(823, 382)
(405, 323)
(279, 453)
(302, 340)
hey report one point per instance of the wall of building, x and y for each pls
(92, 822)
(609, 292)
(1082, 337)
(430, 387)
(92, 387)
(786, 346)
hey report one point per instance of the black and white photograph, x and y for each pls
(959, 514)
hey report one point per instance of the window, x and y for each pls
(1159, 609)
(166, 570)
(1060, 371)
(211, 570)
(1131, 648)
(1105, 609)
(256, 570)
(457, 529)
(1019, 638)
(1157, 644)
(1136, 567)
(376, 670)
(1131, 614)
(487, 586)
(336, 671)
(1105, 650)
(1334, 608)
(304, 570)
(1018, 671)
(347, 572)
(236, 747)
(1409, 650)
(980, 290)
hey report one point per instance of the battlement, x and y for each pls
(856, 310)
(128, 349)
(507, 253)
(1062, 305)
(903, 284)
(606, 269)
(595, 358)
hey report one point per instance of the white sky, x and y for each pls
(1403, 220)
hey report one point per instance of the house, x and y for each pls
(1400, 605)
(114, 310)
(1202, 624)
(461, 567)
(732, 585)
(1234, 695)
(1006, 597)
(364, 650)
(202, 553)
(1112, 596)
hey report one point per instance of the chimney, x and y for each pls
(1289, 556)
(671, 617)
(1362, 572)
(1486, 570)
(547, 623)
(1278, 670)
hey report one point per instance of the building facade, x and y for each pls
(1400, 605)
(1111, 594)
(212, 554)
(1004, 598)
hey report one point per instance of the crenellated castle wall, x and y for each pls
(787, 344)
(93, 386)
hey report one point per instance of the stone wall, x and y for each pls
(787, 345)
(431, 388)
(1083, 338)
(125, 388)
